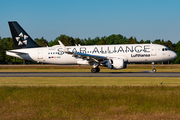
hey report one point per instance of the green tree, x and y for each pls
(96, 41)
(132, 40)
(66, 40)
(78, 41)
(102, 41)
(147, 41)
(41, 42)
(2, 51)
(6, 44)
(169, 44)
(89, 41)
(52, 43)
(116, 39)
(177, 50)
(162, 42)
(141, 42)
(157, 41)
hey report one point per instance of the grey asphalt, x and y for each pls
(86, 74)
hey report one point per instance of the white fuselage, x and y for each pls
(131, 53)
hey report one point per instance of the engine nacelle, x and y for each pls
(116, 63)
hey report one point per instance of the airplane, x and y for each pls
(111, 56)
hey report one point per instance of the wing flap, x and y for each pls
(90, 56)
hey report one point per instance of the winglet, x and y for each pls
(63, 47)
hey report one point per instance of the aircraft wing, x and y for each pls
(88, 57)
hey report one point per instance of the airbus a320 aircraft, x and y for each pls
(111, 56)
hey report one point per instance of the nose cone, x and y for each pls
(174, 55)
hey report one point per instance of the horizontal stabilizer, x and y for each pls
(16, 52)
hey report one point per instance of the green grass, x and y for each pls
(90, 102)
(89, 98)
(89, 81)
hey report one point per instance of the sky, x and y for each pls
(143, 19)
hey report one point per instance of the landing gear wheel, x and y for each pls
(93, 70)
(154, 70)
(98, 69)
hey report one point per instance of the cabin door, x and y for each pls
(40, 54)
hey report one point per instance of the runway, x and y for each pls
(86, 74)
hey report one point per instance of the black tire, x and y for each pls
(98, 69)
(154, 70)
(93, 70)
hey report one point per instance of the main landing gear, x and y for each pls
(154, 69)
(95, 70)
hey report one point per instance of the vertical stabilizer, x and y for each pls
(20, 37)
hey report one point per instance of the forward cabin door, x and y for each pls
(40, 54)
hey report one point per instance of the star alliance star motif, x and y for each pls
(24, 37)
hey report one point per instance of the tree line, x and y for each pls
(7, 44)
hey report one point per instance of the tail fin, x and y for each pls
(20, 37)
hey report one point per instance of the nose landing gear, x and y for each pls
(154, 69)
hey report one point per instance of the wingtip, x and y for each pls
(62, 45)
(59, 42)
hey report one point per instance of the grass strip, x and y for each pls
(89, 81)
(90, 102)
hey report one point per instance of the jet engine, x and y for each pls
(116, 63)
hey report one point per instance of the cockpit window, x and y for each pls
(165, 49)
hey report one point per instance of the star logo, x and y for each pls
(22, 39)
